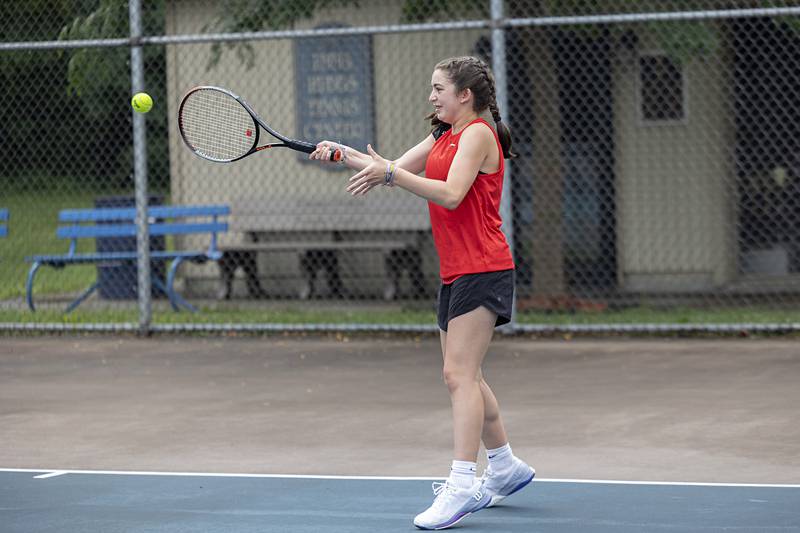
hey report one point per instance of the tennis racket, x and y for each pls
(220, 126)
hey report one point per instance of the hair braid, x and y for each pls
(493, 109)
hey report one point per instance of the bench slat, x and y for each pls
(173, 211)
(129, 230)
(110, 257)
(105, 230)
(129, 213)
(3, 214)
(93, 215)
(309, 245)
(188, 227)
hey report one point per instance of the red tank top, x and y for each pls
(468, 238)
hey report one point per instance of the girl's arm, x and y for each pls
(473, 149)
(413, 160)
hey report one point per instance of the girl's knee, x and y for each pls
(456, 377)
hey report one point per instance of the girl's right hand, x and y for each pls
(323, 151)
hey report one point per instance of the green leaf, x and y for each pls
(683, 41)
(442, 10)
(236, 16)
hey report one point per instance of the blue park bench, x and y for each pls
(3, 222)
(77, 224)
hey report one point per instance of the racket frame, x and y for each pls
(258, 122)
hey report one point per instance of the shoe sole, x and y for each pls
(497, 499)
(455, 520)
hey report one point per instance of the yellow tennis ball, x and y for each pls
(141, 102)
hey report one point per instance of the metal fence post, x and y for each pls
(501, 94)
(140, 171)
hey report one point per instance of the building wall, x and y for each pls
(674, 183)
(278, 181)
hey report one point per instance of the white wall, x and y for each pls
(674, 193)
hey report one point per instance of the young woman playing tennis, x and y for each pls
(463, 160)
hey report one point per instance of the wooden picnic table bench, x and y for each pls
(319, 232)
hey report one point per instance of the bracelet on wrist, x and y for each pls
(388, 178)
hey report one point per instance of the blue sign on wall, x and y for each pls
(334, 90)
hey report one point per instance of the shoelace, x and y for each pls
(442, 491)
(487, 474)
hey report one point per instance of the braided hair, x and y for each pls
(472, 73)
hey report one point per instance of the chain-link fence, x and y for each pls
(657, 183)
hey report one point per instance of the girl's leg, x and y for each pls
(494, 433)
(466, 344)
(507, 474)
(464, 348)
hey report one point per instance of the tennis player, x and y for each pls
(463, 161)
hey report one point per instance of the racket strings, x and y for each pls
(216, 125)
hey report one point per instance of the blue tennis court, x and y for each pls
(161, 502)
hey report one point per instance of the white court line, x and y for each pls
(50, 472)
(678, 483)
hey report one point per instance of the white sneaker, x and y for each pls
(501, 485)
(451, 505)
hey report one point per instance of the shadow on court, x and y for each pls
(668, 410)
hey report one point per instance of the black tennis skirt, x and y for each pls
(493, 290)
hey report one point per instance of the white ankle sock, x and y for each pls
(501, 458)
(462, 474)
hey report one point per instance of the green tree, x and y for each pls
(100, 79)
(237, 16)
(36, 109)
(102, 75)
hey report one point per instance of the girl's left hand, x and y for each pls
(372, 175)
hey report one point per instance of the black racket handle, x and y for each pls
(336, 155)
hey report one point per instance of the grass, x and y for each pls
(280, 315)
(672, 315)
(367, 313)
(32, 230)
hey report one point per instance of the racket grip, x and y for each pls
(335, 155)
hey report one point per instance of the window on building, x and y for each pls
(662, 91)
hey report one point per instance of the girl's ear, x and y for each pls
(465, 96)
